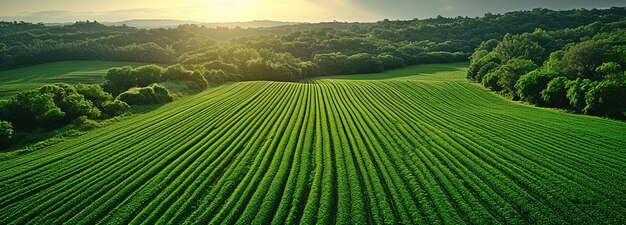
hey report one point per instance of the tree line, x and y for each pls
(392, 43)
(580, 70)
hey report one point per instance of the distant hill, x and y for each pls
(254, 23)
(157, 23)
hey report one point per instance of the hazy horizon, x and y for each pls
(217, 11)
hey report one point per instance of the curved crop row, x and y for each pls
(329, 151)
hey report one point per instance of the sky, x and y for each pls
(278, 10)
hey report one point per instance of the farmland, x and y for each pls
(415, 145)
(31, 77)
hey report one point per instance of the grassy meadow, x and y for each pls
(31, 77)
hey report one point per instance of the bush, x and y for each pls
(153, 94)
(179, 73)
(332, 63)
(70, 101)
(28, 110)
(94, 93)
(555, 95)
(115, 108)
(117, 80)
(162, 95)
(6, 133)
(487, 68)
(145, 75)
(53, 105)
(133, 97)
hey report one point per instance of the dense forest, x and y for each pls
(580, 69)
(285, 52)
(571, 59)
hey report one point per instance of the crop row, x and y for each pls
(328, 152)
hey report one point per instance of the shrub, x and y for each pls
(364, 63)
(117, 79)
(28, 110)
(94, 93)
(162, 95)
(179, 73)
(115, 108)
(133, 97)
(153, 94)
(70, 101)
(146, 75)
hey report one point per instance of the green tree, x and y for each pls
(94, 93)
(30, 109)
(520, 46)
(117, 79)
(582, 59)
(530, 85)
(511, 72)
(481, 67)
(555, 94)
(390, 61)
(331, 63)
(364, 63)
(611, 71)
(115, 108)
(491, 80)
(145, 75)
(153, 94)
(553, 64)
(606, 99)
(70, 101)
(576, 91)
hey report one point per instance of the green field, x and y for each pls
(416, 145)
(86, 72)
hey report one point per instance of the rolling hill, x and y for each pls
(415, 145)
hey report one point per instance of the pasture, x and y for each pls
(32, 77)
